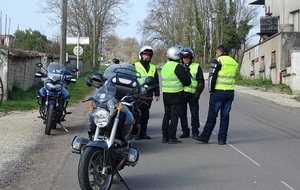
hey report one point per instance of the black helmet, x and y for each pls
(187, 52)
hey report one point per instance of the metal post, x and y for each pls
(77, 54)
(63, 33)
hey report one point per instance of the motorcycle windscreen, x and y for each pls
(55, 71)
(105, 93)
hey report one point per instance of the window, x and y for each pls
(262, 64)
(273, 60)
(252, 68)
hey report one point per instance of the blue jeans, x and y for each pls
(220, 100)
(194, 108)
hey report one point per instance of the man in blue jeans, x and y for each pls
(221, 87)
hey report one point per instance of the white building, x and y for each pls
(277, 55)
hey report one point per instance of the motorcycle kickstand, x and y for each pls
(63, 127)
(122, 180)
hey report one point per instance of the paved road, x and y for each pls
(263, 153)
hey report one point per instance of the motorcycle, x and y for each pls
(114, 123)
(53, 97)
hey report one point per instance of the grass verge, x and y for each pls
(265, 85)
(26, 100)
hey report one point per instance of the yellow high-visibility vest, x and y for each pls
(151, 71)
(226, 76)
(170, 82)
(194, 83)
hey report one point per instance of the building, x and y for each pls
(276, 56)
(7, 40)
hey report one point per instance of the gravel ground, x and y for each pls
(21, 134)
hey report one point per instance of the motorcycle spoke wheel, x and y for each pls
(90, 170)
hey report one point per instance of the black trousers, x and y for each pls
(145, 111)
(170, 120)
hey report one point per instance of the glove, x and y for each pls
(196, 97)
(186, 68)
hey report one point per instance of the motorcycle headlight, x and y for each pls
(53, 87)
(101, 118)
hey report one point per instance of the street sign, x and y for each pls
(78, 40)
(78, 50)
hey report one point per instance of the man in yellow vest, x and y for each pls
(221, 87)
(145, 55)
(174, 78)
(191, 95)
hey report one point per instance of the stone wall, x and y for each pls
(18, 68)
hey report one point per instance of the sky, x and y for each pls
(25, 14)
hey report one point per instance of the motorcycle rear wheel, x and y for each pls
(50, 119)
(89, 170)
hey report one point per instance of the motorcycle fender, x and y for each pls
(98, 144)
(43, 91)
(101, 145)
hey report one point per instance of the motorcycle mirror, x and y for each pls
(40, 65)
(98, 77)
(89, 81)
(75, 70)
(149, 81)
(40, 74)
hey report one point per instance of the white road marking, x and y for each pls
(244, 154)
(287, 185)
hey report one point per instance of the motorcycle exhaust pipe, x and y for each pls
(78, 144)
(120, 165)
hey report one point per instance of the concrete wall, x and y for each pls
(295, 71)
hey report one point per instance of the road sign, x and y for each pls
(78, 40)
(77, 51)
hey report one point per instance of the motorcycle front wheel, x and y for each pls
(50, 119)
(90, 169)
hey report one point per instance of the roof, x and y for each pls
(256, 2)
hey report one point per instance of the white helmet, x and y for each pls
(146, 50)
(174, 53)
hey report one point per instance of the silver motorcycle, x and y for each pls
(114, 122)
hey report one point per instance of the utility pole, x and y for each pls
(63, 32)
(94, 37)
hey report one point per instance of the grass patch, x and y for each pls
(26, 100)
(264, 84)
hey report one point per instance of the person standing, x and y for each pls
(191, 95)
(145, 55)
(221, 87)
(174, 78)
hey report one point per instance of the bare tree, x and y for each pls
(90, 18)
(130, 49)
(190, 23)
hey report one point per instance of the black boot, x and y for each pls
(184, 135)
(145, 136)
